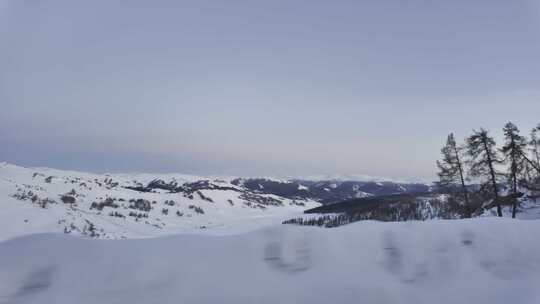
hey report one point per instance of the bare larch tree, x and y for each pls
(451, 172)
(483, 159)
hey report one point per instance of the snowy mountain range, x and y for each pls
(112, 206)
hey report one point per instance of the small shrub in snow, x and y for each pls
(31, 196)
(109, 202)
(197, 209)
(203, 197)
(138, 215)
(117, 214)
(141, 204)
(90, 229)
(296, 203)
(68, 199)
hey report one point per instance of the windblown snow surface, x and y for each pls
(483, 260)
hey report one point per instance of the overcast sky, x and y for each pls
(282, 88)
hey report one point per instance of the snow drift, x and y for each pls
(488, 260)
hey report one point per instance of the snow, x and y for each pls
(483, 260)
(361, 194)
(243, 254)
(528, 209)
(21, 217)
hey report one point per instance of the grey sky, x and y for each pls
(261, 87)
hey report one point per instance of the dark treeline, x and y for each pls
(480, 176)
(395, 208)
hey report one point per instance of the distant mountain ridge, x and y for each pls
(330, 191)
(325, 192)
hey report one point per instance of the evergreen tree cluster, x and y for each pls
(481, 176)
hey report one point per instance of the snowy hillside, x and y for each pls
(36, 200)
(488, 260)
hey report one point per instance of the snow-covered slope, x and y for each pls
(488, 260)
(37, 200)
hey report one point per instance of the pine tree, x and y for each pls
(514, 154)
(535, 146)
(451, 169)
(484, 158)
(532, 170)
